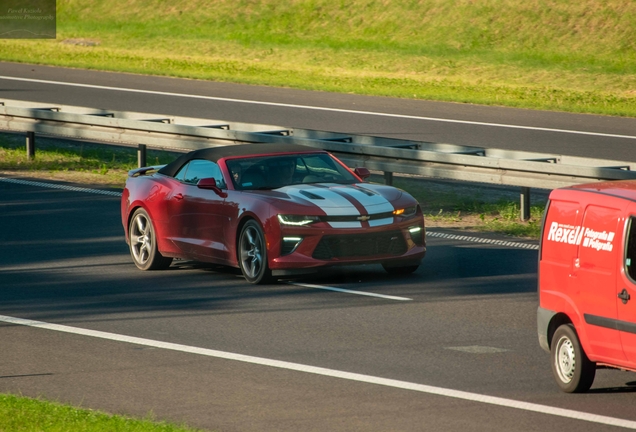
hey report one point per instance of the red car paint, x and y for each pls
(587, 274)
(204, 224)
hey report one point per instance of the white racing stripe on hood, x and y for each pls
(335, 204)
(331, 203)
(372, 201)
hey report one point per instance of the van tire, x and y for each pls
(573, 371)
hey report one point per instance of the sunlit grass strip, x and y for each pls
(455, 79)
(454, 207)
(501, 217)
(546, 54)
(18, 414)
(105, 164)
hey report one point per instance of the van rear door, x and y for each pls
(626, 291)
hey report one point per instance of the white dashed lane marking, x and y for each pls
(506, 243)
(60, 186)
(362, 293)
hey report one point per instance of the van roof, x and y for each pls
(619, 188)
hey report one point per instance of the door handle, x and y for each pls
(624, 296)
(178, 196)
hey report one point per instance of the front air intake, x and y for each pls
(360, 245)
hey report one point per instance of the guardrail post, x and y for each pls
(30, 145)
(524, 205)
(388, 178)
(141, 156)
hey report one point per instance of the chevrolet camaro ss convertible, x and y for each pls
(271, 210)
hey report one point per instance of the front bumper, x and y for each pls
(320, 246)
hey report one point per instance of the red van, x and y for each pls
(587, 276)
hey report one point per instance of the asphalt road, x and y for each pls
(469, 326)
(494, 127)
(221, 354)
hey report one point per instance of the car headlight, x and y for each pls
(297, 220)
(405, 212)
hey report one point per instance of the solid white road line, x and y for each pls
(439, 391)
(308, 107)
(362, 293)
(60, 186)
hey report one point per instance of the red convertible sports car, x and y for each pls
(270, 210)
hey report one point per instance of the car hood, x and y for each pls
(350, 199)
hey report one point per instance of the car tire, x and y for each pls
(573, 371)
(400, 270)
(143, 243)
(252, 254)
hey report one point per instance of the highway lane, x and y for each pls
(470, 326)
(495, 127)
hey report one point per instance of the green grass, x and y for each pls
(75, 160)
(548, 54)
(473, 206)
(21, 414)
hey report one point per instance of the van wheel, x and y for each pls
(573, 371)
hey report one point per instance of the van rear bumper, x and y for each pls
(544, 316)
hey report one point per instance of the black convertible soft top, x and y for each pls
(215, 153)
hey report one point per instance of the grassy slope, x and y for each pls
(551, 54)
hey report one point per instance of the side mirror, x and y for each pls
(210, 184)
(362, 172)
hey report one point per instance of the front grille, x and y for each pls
(356, 218)
(360, 245)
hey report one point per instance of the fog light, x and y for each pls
(417, 234)
(289, 245)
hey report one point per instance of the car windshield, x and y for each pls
(272, 172)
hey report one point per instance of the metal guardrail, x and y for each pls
(437, 160)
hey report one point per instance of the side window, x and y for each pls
(630, 249)
(181, 173)
(198, 169)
